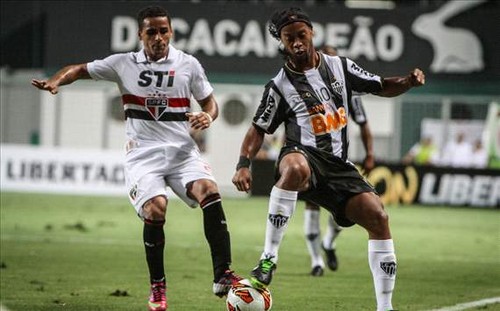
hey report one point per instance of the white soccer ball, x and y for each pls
(244, 297)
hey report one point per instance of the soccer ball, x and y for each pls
(244, 297)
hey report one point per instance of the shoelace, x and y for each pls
(229, 277)
(266, 265)
(158, 290)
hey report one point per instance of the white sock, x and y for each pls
(332, 231)
(313, 237)
(382, 262)
(281, 208)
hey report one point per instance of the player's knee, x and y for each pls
(378, 225)
(296, 170)
(294, 176)
(155, 209)
(199, 190)
(380, 218)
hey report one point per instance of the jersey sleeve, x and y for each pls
(200, 87)
(270, 113)
(105, 69)
(361, 80)
(357, 110)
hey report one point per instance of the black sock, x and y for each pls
(216, 233)
(154, 243)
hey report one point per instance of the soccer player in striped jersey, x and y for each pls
(156, 85)
(310, 95)
(312, 230)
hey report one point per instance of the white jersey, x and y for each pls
(155, 95)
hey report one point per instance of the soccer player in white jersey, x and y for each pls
(156, 85)
(310, 94)
(312, 230)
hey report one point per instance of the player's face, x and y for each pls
(297, 40)
(155, 35)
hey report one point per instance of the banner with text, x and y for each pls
(414, 184)
(51, 170)
(448, 39)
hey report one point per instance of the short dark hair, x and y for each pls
(284, 17)
(151, 11)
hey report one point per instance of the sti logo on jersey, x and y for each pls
(156, 106)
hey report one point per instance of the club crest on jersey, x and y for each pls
(156, 105)
(338, 87)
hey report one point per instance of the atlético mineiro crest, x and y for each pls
(278, 220)
(156, 105)
(338, 87)
(389, 267)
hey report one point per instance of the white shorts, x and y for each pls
(150, 169)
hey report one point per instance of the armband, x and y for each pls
(243, 162)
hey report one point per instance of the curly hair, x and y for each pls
(284, 17)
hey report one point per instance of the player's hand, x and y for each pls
(242, 179)
(45, 85)
(368, 164)
(416, 77)
(199, 120)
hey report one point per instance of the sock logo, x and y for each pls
(389, 267)
(278, 220)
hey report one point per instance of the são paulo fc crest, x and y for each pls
(156, 106)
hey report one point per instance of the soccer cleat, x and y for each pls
(262, 274)
(222, 286)
(158, 297)
(331, 259)
(317, 271)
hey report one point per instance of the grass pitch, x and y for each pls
(86, 254)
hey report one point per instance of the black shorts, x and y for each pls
(333, 181)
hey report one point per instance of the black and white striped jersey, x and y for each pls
(314, 105)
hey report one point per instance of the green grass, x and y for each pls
(72, 252)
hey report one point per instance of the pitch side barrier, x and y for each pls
(426, 185)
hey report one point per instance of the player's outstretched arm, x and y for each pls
(252, 143)
(66, 75)
(395, 86)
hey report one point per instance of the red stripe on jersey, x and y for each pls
(138, 100)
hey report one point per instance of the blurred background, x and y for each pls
(72, 142)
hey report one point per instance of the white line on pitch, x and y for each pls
(469, 305)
